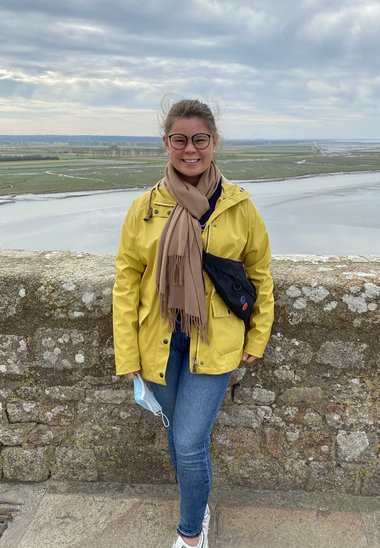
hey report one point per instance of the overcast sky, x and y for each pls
(276, 68)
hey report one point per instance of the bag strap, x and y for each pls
(229, 266)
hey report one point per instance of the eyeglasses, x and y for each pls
(199, 140)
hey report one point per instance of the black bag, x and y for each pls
(231, 282)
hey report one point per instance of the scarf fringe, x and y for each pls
(187, 321)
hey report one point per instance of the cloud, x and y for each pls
(277, 68)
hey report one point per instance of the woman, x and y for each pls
(169, 323)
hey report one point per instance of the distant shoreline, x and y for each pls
(106, 167)
(9, 198)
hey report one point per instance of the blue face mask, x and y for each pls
(145, 398)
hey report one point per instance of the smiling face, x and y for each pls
(190, 161)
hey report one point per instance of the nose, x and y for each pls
(190, 146)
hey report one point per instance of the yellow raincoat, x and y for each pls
(236, 231)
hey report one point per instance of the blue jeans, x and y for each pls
(191, 402)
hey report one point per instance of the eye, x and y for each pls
(178, 140)
(201, 140)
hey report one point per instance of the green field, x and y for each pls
(99, 166)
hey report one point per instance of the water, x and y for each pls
(334, 214)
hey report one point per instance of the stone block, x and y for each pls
(360, 299)
(262, 396)
(13, 355)
(310, 445)
(12, 435)
(65, 393)
(28, 393)
(237, 375)
(362, 416)
(351, 445)
(273, 444)
(110, 395)
(44, 435)
(285, 414)
(370, 476)
(241, 416)
(109, 413)
(308, 417)
(6, 394)
(286, 374)
(95, 435)
(77, 286)
(134, 465)
(299, 416)
(234, 441)
(75, 465)
(13, 293)
(36, 412)
(349, 391)
(66, 349)
(304, 394)
(132, 415)
(259, 473)
(21, 464)
(255, 395)
(332, 477)
(282, 350)
(333, 415)
(342, 354)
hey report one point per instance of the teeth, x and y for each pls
(190, 161)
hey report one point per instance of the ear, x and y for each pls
(214, 143)
(166, 143)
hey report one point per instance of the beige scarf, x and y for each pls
(179, 276)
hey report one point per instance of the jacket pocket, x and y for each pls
(226, 330)
(219, 308)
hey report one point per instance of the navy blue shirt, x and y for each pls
(212, 201)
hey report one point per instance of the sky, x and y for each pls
(270, 69)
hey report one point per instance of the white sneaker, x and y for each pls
(205, 525)
(180, 543)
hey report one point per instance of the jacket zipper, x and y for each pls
(208, 237)
(195, 363)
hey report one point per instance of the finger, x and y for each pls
(249, 358)
(131, 376)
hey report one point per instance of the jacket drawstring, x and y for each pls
(149, 212)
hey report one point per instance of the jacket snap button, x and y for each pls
(201, 363)
(156, 211)
(165, 341)
(168, 212)
(161, 375)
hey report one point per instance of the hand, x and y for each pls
(131, 376)
(248, 358)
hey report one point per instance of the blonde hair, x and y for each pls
(187, 108)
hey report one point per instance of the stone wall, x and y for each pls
(306, 416)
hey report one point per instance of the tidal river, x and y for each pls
(332, 214)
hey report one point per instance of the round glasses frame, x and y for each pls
(200, 140)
